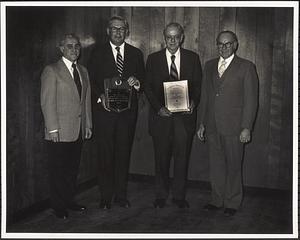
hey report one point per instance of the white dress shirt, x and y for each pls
(177, 60)
(227, 60)
(114, 50)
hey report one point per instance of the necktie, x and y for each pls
(76, 78)
(173, 70)
(222, 68)
(119, 62)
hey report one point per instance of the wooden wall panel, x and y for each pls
(265, 36)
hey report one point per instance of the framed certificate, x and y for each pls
(117, 94)
(177, 96)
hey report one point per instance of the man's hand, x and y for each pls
(133, 81)
(200, 132)
(88, 133)
(103, 102)
(245, 135)
(191, 108)
(164, 112)
(54, 136)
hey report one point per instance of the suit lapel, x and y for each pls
(66, 75)
(182, 65)
(109, 56)
(164, 65)
(83, 81)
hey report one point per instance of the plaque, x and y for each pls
(117, 94)
(176, 96)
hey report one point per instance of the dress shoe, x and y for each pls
(229, 212)
(76, 207)
(211, 207)
(122, 202)
(63, 214)
(159, 203)
(181, 203)
(104, 204)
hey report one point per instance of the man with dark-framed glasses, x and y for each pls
(227, 108)
(116, 68)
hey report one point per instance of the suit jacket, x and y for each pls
(157, 72)
(102, 65)
(229, 104)
(61, 105)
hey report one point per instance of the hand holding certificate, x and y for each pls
(177, 96)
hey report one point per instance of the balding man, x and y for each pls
(227, 112)
(172, 132)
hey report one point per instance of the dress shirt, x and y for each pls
(177, 61)
(114, 50)
(227, 60)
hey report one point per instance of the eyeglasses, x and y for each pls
(177, 38)
(115, 29)
(227, 45)
(71, 46)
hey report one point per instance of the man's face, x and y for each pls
(173, 39)
(117, 32)
(226, 45)
(71, 49)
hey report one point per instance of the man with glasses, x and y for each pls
(66, 107)
(114, 131)
(172, 132)
(227, 108)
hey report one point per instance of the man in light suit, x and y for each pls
(228, 108)
(66, 107)
(172, 133)
(114, 131)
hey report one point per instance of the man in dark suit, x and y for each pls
(66, 106)
(172, 133)
(227, 112)
(114, 131)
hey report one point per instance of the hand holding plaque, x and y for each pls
(117, 94)
(177, 96)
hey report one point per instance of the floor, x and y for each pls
(259, 214)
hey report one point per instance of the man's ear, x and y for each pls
(107, 31)
(61, 48)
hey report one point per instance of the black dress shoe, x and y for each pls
(76, 207)
(181, 203)
(229, 212)
(122, 202)
(104, 204)
(63, 214)
(159, 203)
(211, 207)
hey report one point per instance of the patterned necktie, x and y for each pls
(173, 70)
(222, 68)
(119, 62)
(76, 78)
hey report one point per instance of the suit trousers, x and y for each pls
(63, 165)
(173, 140)
(114, 134)
(225, 160)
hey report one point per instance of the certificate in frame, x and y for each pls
(177, 96)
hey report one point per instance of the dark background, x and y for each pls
(265, 37)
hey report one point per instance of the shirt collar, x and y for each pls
(68, 62)
(114, 46)
(177, 54)
(228, 60)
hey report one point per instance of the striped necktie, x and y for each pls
(173, 70)
(76, 78)
(222, 68)
(119, 62)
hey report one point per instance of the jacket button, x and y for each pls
(217, 94)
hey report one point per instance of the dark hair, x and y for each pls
(68, 36)
(174, 24)
(230, 32)
(120, 19)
